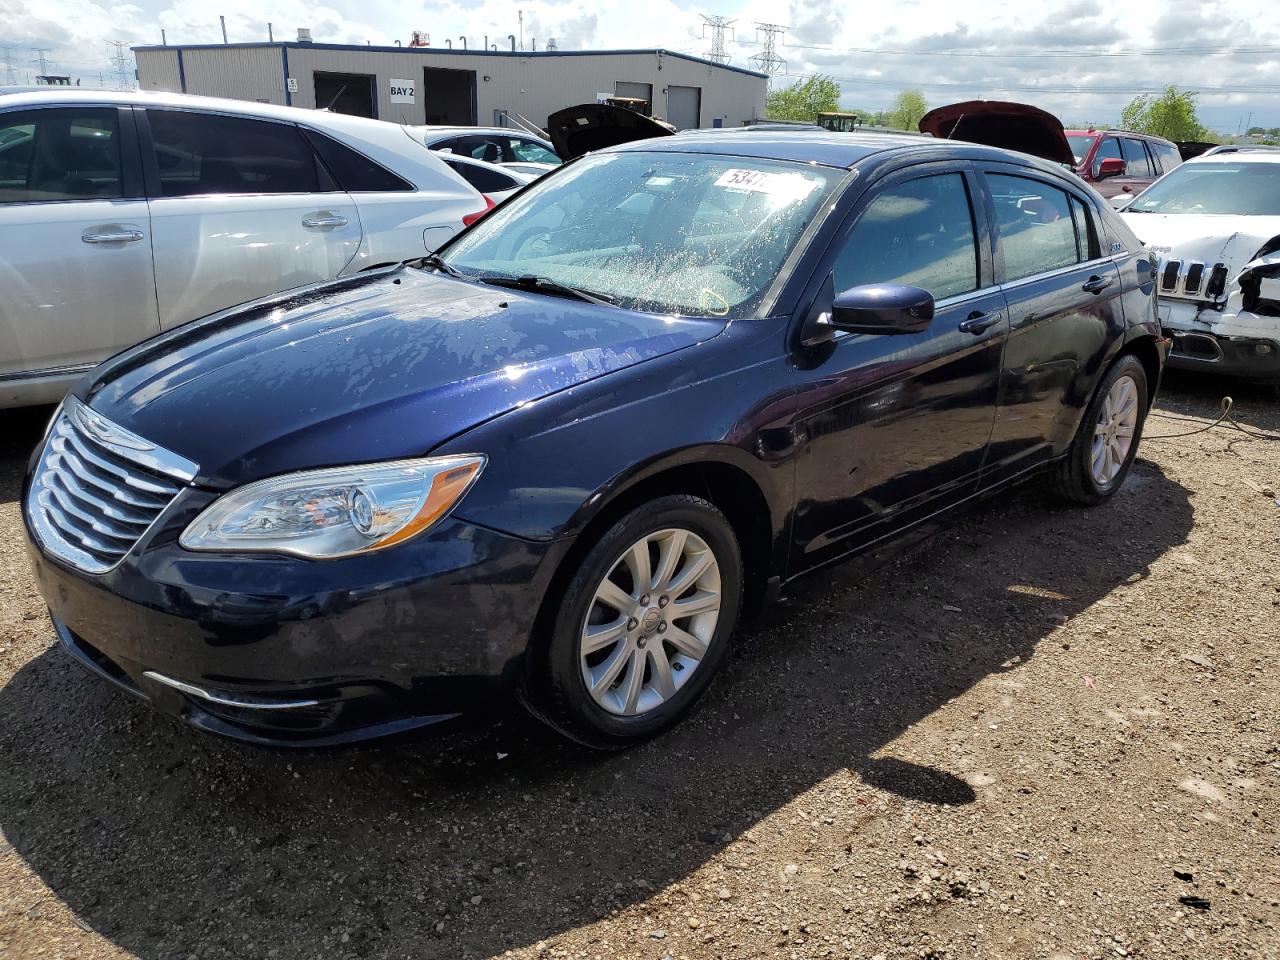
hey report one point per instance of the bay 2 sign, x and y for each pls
(402, 91)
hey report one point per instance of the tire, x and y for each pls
(622, 713)
(1078, 477)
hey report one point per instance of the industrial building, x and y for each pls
(456, 86)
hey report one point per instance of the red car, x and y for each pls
(1117, 161)
(1112, 161)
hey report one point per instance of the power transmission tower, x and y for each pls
(41, 60)
(718, 26)
(768, 59)
(121, 62)
(10, 75)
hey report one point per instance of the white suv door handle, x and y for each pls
(115, 236)
(327, 220)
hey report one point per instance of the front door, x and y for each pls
(895, 427)
(239, 211)
(75, 240)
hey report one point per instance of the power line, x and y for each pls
(768, 59)
(1050, 54)
(718, 26)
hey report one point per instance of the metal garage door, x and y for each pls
(641, 91)
(684, 106)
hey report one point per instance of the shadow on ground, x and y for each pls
(172, 844)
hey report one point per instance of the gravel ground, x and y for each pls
(1041, 732)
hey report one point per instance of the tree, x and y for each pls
(908, 107)
(1171, 115)
(804, 100)
(1255, 132)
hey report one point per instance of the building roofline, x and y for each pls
(445, 51)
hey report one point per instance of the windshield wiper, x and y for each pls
(547, 285)
(435, 261)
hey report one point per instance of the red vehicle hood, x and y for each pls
(997, 123)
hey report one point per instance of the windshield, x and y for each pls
(689, 234)
(1236, 189)
(1080, 144)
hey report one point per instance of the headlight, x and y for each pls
(336, 512)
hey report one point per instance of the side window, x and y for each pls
(1167, 155)
(1037, 226)
(354, 172)
(1109, 149)
(530, 152)
(204, 153)
(486, 181)
(68, 153)
(1136, 163)
(1087, 246)
(919, 233)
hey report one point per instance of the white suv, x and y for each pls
(124, 214)
(1215, 223)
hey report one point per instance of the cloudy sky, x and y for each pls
(1081, 59)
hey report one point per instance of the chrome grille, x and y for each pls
(1178, 279)
(98, 488)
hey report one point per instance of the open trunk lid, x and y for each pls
(999, 123)
(593, 126)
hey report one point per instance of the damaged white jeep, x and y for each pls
(1214, 222)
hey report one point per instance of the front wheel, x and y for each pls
(1106, 442)
(643, 625)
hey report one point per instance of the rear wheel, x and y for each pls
(643, 625)
(1106, 442)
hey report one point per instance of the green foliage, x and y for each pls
(1171, 115)
(908, 107)
(1255, 131)
(804, 100)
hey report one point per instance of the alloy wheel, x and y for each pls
(1113, 433)
(650, 622)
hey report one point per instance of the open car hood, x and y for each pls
(998, 123)
(593, 126)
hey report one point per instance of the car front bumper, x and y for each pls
(1240, 345)
(289, 652)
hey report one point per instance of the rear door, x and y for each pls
(896, 426)
(1063, 295)
(75, 241)
(240, 208)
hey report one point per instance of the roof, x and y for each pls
(1099, 131)
(447, 52)
(812, 145)
(1238, 156)
(834, 149)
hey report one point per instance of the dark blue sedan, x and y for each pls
(555, 459)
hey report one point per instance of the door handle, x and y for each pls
(978, 322)
(1096, 285)
(115, 236)
(328, 220)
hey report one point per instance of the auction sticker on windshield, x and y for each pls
(792, 185)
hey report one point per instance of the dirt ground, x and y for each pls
(1044, 732)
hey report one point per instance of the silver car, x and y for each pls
(491, 144)
(124, 214)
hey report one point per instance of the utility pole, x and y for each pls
(718, 26)
(121, 62)
(768, 59)
(521, 29)
(41, 60)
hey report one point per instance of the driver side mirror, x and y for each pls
(883, 308)
(1110, 167)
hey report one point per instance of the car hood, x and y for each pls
(574, 131)
(376, 368)
(1233, 240)
(999, 123)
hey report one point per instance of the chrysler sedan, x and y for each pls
(553, 460)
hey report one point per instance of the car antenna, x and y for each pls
(341, 90)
